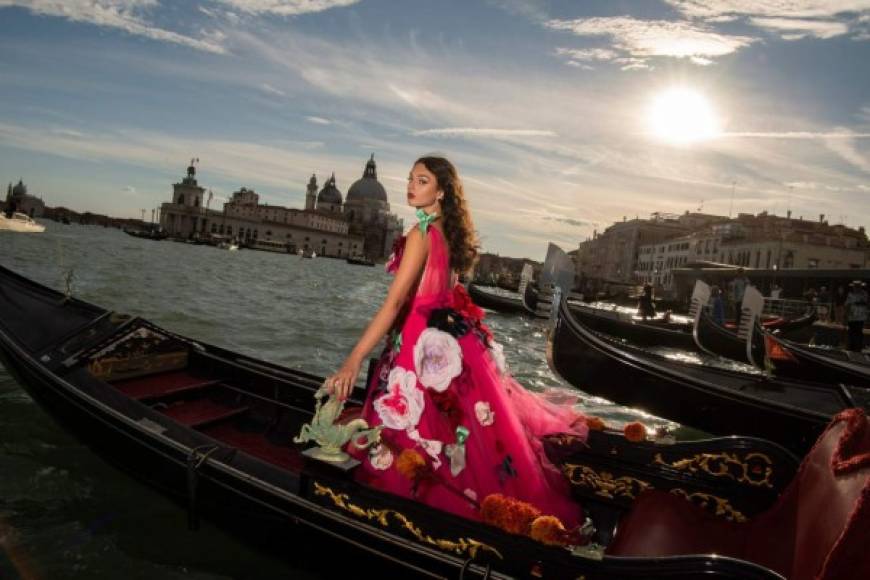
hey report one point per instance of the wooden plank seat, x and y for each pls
(199, 412)
(817, 529)
(162, 385)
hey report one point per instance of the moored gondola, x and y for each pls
(153, 234)
(213, 429)
(493, 301)
(360, 261)
(826, 365)
(536, 302)
(637, 332)
(715, 339)
(715, 400)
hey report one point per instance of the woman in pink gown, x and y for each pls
(441, 387)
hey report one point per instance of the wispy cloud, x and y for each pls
(791, 19)
(318, 120)
(534, 10)
(847, 150)
(784, 8)
(639, 40)
(286, 7)
(273, 165)
(581, 57)
(795, 29)
(267, 88)
(482, 132)
(126, 15)
(571, 221)
(832, 135)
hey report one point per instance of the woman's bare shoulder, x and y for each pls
(415, 236)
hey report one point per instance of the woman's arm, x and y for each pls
(410, 268)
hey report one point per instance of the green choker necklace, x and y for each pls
(425, 219)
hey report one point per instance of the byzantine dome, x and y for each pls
(368, 188)
(329, 193)
(19, 190)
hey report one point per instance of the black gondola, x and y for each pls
(715, 339)
(495, 301)
(535, 302)
(637, 332)
(212, 428)
(825, 365)
(154, 235)
(784, 358)
(718, 401)
(360, 261)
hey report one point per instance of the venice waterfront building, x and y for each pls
(329, 225)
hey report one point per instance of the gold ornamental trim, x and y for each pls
(460, 547)
(603, 483)
(755, 469)
(720, 506)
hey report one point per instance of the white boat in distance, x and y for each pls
(20, 222)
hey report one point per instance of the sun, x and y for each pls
(683, 116)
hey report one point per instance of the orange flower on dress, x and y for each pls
(635, 432)
(548, 530)
(411, 465)
(595, 424)
(509, 514)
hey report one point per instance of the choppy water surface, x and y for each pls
(64, 513)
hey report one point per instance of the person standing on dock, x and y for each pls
(717, 306)
(840, 305)
(646, 307)
(738, 289)
(824, 305)
(856, 315)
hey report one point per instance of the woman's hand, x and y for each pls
(341, 383)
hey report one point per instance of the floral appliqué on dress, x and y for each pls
(437, 359)
(402, 405)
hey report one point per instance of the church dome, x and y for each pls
(368, 188)
(20, 190)
(329, 193)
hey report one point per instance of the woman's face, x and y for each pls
(423, 188)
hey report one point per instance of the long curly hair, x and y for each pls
(458, 227)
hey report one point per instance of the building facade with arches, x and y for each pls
(329, 226)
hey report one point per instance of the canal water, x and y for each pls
(65, 513)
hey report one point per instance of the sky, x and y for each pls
(561, 116)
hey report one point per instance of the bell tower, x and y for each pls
(311, 193)
(188, 192)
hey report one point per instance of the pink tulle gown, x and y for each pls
(442, 383)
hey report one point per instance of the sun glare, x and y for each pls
(682, 116)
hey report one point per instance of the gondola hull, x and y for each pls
(637, 333)
(833, 366)
(241, 469)
(714, 400)
(495, 302)
(714, 339)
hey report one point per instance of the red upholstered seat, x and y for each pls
(819, 527)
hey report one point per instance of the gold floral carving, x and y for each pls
(603, 483)
(720, 506)
(755, 469)
(460, 547)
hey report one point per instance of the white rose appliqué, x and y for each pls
(437, 359)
